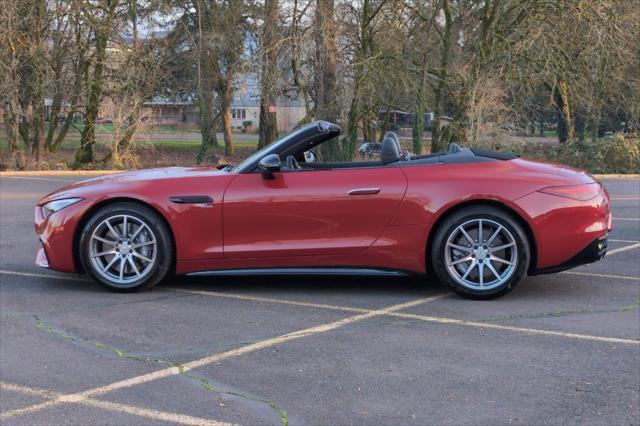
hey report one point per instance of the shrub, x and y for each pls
(612, 154)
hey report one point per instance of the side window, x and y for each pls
(239, 113)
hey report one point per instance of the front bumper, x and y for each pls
(56, 234)
(594, 252)
(41, 259)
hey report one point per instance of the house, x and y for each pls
(245, 113)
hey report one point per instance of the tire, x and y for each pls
(458, 259)
(134, 262)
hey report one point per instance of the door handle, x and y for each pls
(364, 191)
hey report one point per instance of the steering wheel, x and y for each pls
(292, 163)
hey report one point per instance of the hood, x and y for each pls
(95, 188)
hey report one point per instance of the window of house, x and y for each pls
(238, 113)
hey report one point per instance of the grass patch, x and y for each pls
(72, 142)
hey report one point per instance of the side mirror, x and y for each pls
(268, 165)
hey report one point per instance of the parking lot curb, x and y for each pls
(618, 176)
(59, 173)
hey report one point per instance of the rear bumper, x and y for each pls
(566, 231)
(595, 251)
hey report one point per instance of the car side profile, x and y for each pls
(477, 220)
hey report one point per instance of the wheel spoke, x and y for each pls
(135, 234)
(480, 237)
(104, 253)
(124, 228)
(122, 265)
(105, 241)
(481, 274)
(493, 237)
(146, 243)
(110, 264)
(501, 260)
(133, 265)
(470, 268)
(467, 236)
(139, 256)
(502, 247)
(463, 259)
(493, 270)
(113, 231)
(461, 248)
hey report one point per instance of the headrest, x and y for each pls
(453, 148)
(390, 149)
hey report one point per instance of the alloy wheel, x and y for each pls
(481, 254)
(123, 249)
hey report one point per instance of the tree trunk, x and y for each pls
(38, 131)
(418, 125)
(566, 131)
(80, 71)
(268, 131)
(207, 118)
(352, 130)
(436, 143)
(85, 154)
(225, 110)
(326, 69)
(123, 145)
(206, 79)
(56, 104)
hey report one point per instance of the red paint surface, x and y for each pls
(308, 218)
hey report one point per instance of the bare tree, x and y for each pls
(326, 93)
(269, 75)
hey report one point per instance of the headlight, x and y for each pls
(55, 205)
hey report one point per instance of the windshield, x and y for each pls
(269, 149)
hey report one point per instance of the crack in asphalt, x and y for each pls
(561, 313)
(204, 382)
(91, 307)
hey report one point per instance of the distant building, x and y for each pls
(245, 113)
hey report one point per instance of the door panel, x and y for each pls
(309, 212)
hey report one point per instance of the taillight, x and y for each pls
(582, 192)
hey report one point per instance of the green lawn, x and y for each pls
(73, 141)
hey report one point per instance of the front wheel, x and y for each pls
(480, 252)
(126, 247)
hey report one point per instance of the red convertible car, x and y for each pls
(478, 220)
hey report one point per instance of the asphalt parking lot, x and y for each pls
(559, 349)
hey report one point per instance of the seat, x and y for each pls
(390, 150)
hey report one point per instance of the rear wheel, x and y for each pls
(481, 252)
(126, 247)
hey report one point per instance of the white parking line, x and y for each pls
(525, 330)
(39, 178)
(111, 406)
(623, 241)
(69, 277)
(253, 347)
(439, 320)
(269, 300)
(626, 218)
(621, 249)
(589, 274)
